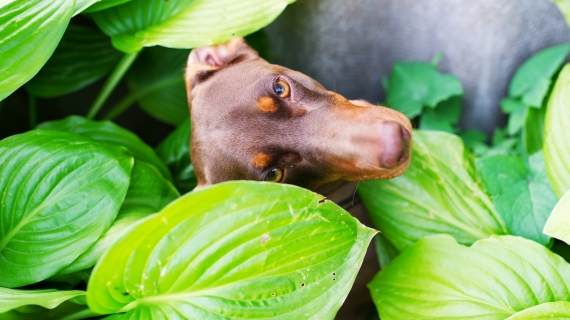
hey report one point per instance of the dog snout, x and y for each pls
(395, 149)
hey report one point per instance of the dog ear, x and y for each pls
(205, 61)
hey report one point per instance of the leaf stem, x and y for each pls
(134, 96)
(33, 110)
(112, 82)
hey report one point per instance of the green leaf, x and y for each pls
(110, 133)
(439, 193)
(12, 298)
(436, 278)
(557, 134)
(60, 192)
(473, 138)
(95, 5)
(26, 26)
(532, 80)
(564, 6)
(148, 193)
(237, 250)
(510, 105)
(548, 310)
(523, 197)
(415, 85)
(558, 224)
(516, 121)
(175, 152)
(184, 23)
(384, 250)
(156, 80)
(444, 117)
(83, 56)
(533, 130)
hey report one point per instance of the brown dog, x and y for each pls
(252, 120)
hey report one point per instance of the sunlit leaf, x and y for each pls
(234, 250)
(184, 23)
(109, 132)
(148, 193)
(558, 224)
(557, 134)
(60, 192)
(437, 278)
(439, 193)
(26, 26)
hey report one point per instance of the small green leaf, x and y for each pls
(516, 121)
(444, 117)
(558, 224)
(510, 105)
(108, 132)
(473, 138)
(26, 26)
(415, 85)
(148, 193)
(13, 298)
(439, 193)
(175, 152)
(184, 23)
(557, 134)
(436, 278)
(532, 80)
(157, 81)
(533, 130)
(523, 197)
(234, 250)
(83, 56)
(60, 192)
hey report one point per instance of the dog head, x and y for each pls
(252, 120)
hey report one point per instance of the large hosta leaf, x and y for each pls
(148, 193)
(438, 194)
(60, 192)
(184, 23)
(437, 278)
(415, 85)
(108, 132)
(234, 250)
(26, 26)
(157, 82)
(83, 56)
(550, 310)
(47, 304)
(558, 224)
(95, 5)
(532, 80)
(175, 152)
(557, 134)
(523, 197)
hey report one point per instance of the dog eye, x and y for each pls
(274, 175)
(281, 88)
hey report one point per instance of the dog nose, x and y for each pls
(395, 145)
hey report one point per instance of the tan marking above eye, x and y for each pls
(267, 104)
(261, 160)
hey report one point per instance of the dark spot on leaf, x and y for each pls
(334, 273)
(302, 284)
(334, 279)
(323, 200)
(273, 294)
(126, 293)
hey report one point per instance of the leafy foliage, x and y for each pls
(495, 278)
(238, 249)
(60, 193)
(558, 224)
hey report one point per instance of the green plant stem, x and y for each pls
(33, 110)
(134, 96)
(112, 82)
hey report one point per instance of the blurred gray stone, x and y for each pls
(349, 46)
